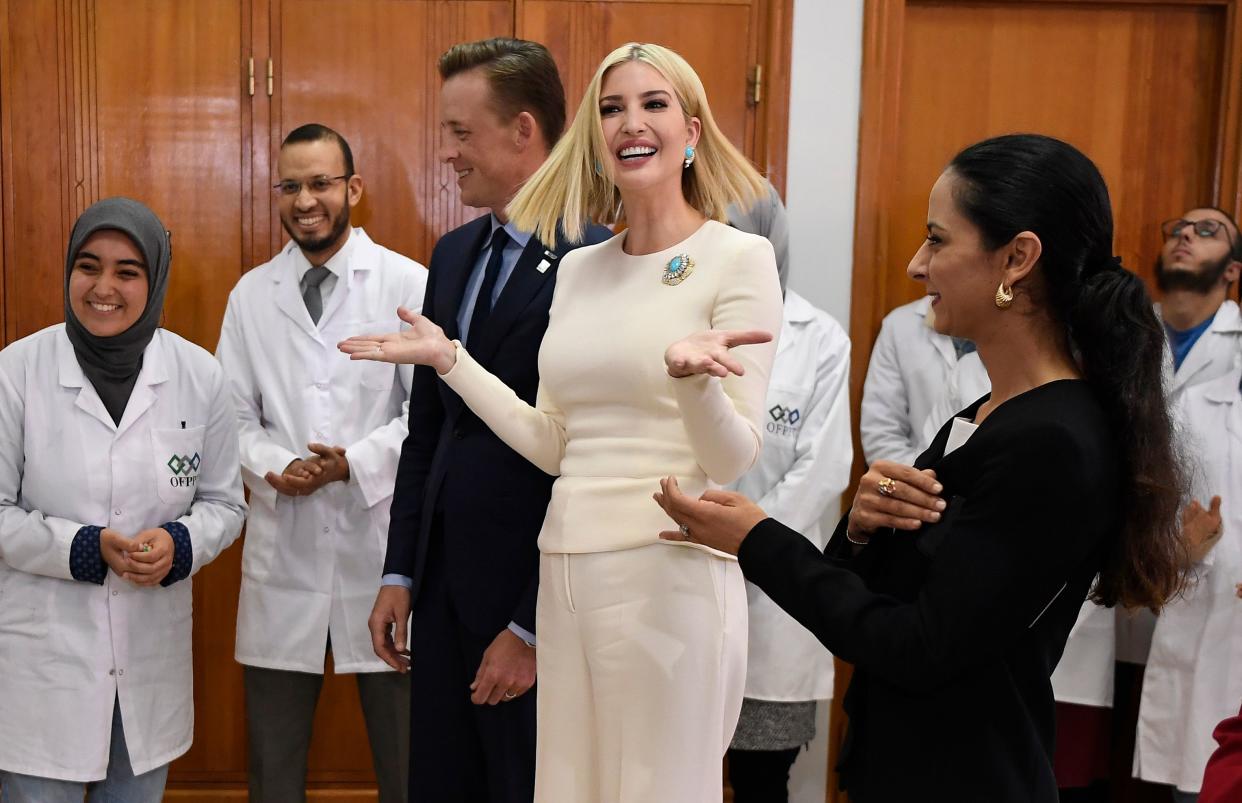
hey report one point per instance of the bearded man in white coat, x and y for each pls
(1199, 262)
(1187, 677)
(320, 439)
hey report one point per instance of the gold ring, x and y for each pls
(886, 486)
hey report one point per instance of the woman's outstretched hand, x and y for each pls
(708, 352)
(717, 519)
(894, 495)
(423, 343)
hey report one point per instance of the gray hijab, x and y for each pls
(112, 363)
(767, 219)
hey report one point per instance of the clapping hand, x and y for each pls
(305, 475)
(1201, 528)
(150, 560)
(423, 343)
(143, 560)
(708, 352)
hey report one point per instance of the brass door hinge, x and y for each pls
(251, 76)
(756, 85)
(269, 78)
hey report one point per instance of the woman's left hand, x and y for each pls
(708, 352)
(717, 519)
(149, 566)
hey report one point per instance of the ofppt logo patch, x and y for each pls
(785, 421)
(184, 470)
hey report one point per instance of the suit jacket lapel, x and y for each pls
(451, 285)
(523, 285)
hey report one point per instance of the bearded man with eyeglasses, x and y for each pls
(320, 441)
(1198, 264)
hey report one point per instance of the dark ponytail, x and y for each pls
(1028, 182)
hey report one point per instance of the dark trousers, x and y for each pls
(761, 776)
(460, 751)
(280, 708)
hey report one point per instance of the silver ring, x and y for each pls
(685, 531)
(509, 695)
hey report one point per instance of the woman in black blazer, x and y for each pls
(952, 585)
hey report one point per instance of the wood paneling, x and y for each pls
(581, 34)
(377, 83)
(1149, 90)
(180, 151)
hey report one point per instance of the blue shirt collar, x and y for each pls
(521, 238)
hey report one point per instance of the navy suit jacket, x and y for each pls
(491, 500)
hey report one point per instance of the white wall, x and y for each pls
(819, 194)
(823, 150)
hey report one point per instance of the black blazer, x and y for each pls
(954, 630)
(490, 499)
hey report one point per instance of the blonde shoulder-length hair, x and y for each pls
(575, 182)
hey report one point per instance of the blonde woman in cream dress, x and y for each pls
(655, 362)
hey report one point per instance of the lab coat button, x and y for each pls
(112, 672)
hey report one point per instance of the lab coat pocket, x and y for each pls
(374, 375)
(931, 536)
(788, 405)
(178, 455)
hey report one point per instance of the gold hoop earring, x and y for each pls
(1004, 297)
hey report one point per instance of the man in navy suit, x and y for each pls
(467, 509)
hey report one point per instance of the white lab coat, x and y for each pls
(909, 371)
(311, 565)
(69, 649)
(1217, 352)
(800, 474)
(1193, 678)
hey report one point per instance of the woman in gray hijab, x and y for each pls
(119, 479)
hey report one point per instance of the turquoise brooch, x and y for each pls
(678, 268)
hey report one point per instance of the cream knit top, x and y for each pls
(609, 421)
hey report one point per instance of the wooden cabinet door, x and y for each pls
(719, 39)
(367, 68)
(122, 97)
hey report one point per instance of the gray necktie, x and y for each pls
(310, 291)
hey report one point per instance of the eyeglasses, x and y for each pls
(1203, 229)
(317, 185)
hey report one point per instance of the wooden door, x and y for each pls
(375, 80)
(726, 41)
(1150, 91)
(143, 101)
